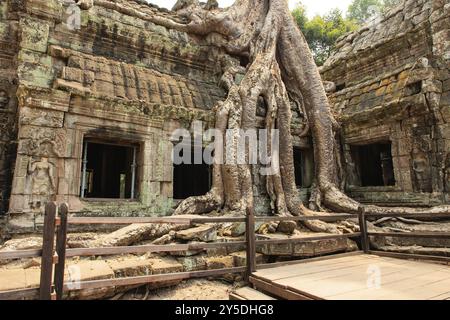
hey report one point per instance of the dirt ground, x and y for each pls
(187, 290)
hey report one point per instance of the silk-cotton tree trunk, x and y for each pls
(280, 67)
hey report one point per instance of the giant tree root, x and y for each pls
(132, 234)
(280, 69)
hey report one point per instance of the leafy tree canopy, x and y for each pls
(363, 10)
(322, 31)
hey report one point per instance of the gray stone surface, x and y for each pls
(205, 233)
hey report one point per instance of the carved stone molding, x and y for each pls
(46, 142)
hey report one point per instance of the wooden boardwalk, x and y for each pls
(356, 277)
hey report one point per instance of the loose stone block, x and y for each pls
(240, 258)
(224, 262)
(12, 279)
(131, 267)
(165, 265)
(204, 233)
(34, 35)
(193, 263)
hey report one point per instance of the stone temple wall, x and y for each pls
(118, 77)
(8, 101)
(390, 82)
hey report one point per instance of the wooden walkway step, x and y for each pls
(248, 293)
(359, 277)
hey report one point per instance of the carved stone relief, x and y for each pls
(447, 174)
(39, 117)
(41, 181)
(4, 99)
(421, 165)
(46, 142)
(351, 173)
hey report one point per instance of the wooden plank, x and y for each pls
(223, 219)
(317, 266)
(319, 273)
(332, 272)
(365, 242)
(95, 284)
(445, 296)
(235, 297)
(105, 251)
(47, 252)
(395, 288)
(251, 243)
(191, 220)
(31, 293)
(420, 291)
(247, 293)
(322, 269)
(309, 260)
(411, 256)
(328, 218)
(155, 220)
(356, 281)
(20, 254)
(334, 286)
(433, 235)
(411, 215)
(423, 287)
(275, 273)
(61, 242)
(308, 239)
(128, 220)
(277, 291)
(353, 280)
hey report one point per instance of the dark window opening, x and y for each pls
(261, 108)
(414, 88)
(190, 180)
(340, 87)
(109, 171)
(244, 61)
(304, 167)
(374, 164)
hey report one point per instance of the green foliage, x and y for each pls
(363, 10)
(321, 32)
(299, 14)
(389, 4)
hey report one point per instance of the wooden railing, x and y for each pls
(52, 285)
(365, 242)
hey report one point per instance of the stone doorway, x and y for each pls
(108, 171)
(190, 179)
(304, 167)
(374, 164)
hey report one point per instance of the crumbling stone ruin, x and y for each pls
(117, 79)
(89, 102)
(116, 86)
(389, 84)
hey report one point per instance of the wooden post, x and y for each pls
(365, 241)
(45, 291)
(251, 242)
(61, 240)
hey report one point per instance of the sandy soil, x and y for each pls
(187, 290)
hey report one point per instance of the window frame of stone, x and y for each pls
(135, 148)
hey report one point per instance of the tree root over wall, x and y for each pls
(280, 67)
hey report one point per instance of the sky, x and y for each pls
(313, 6)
